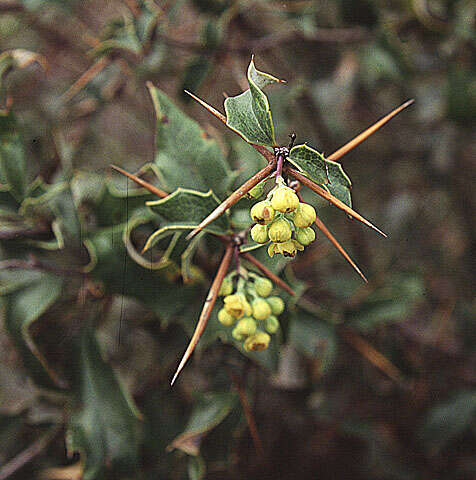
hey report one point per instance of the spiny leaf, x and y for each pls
(184, 210)
(185, 156)
(328, 174)
(249, 113)
(107, 425)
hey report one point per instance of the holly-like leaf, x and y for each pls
(209, 411)
(184, 210)
(185, 156)
(249, 113)
(131, 33)
(326, 173)
(106, 427)
(26, 295)
(12, 156)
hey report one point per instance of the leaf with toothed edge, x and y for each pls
(249, 114)
(330, 175)
(184, 210)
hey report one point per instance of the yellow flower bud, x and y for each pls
(263, 287)
(280, 231)
(225, 318)
(257, 342)
(288, 249)
(261, 309)
(226, 287)
(234, 305)
(285, 200)
(271, 324)
(305, 236)
(245, 327)
(262, 212)
(304, 216)
(276, 304)
(259, 233)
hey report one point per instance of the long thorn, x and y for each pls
(156, 191)
(335, 201)
(207, 309)
(320, 225)
(274, 278)
(260, 148)
(366, 134)
(234, 197)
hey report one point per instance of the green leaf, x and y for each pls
(249, 113)
(195, 73)
(390, 303)
(185, 156)
(326, 173)
(184, 210)
(196, 468)
(209, 411)
(26, 295)
(448, 420)
(12, 156)
(106, 427)
(313, 338)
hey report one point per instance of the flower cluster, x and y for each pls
(279, 217)
(251, 310)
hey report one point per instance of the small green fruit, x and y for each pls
(225, 318)
(226, 287)
(261, 309)
(304, 216)
(285, 200)
(234, 305)
(305, 236)
(259, 233)
(280, 231)
(271, 324)
(245, 327)
(257, 342)
(262, 212)
(276, 304)
(263, 287)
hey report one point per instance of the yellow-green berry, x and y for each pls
(280, 230)
(257, 342)
(259, 233)
(263, 287)
(288, 249)
(225, 318)
(285, 200)
(305, 236)
(245, 327)
(226, 287)
(276, 304)
(257, 191)
(271, 324)
(261, 309)
(304, 216)
(262, 212)
(235, 305)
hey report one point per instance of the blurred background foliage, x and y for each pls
(368, 381)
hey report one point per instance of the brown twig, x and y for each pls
(373, 356)
(28, 454)
(274, 278)
(207, 308)
(235, 196)
(250, 421)
(156, 191)
(335, 201)
(366, 134)
(85, 78)
(34, 264)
